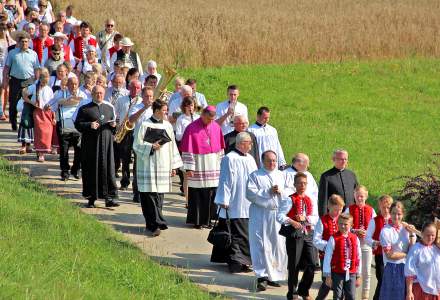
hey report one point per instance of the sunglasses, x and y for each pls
(56, 53)
(109, 25)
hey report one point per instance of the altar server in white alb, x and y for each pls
(227, 110)
(156, 163)
(231, 196)
(267, 136)
(266, 189)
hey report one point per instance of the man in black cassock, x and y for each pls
(96, 122)
(338, 180)
(241, 124)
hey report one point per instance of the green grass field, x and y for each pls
(50, 250)
(385, 113)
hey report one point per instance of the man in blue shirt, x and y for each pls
(21, 70)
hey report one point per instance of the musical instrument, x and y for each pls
(161, 90)
(66, 112)
(231, 118)
(125, 126)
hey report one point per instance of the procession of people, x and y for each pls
(67, 88)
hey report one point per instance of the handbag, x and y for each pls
(291, 232)
(220, 237)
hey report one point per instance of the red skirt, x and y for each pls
(43, 130)
(419, 294)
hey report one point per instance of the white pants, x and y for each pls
(367, 256)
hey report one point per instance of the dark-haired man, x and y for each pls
(156, 163)
(228, 109)
(267, 136)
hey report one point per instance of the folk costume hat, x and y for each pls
(126, 42)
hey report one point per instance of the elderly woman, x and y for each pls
(86, 65)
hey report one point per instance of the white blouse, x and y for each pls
(44, 96)
(396, 240)
(182, 122)
(423, 263)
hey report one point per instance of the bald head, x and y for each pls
(72, 84)
(186, 91)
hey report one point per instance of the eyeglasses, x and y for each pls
(56, 53)
(109, 25)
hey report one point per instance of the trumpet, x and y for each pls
(125, 127)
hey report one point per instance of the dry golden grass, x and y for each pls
(211, 33)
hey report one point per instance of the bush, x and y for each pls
(421, 196)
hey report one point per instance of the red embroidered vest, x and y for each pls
(78, 44)
(300, 206)
(379, 223)
(330, 227)
(345, 249)
(39, 47)
(361, 216)
(66, 50)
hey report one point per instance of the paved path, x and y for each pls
(180, 245)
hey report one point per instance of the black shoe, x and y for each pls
(273, 283)
(14, 127)
(261, 284)
(111, 203)
(91, 203)
(74, 174)
(65, 176)
(235, 267)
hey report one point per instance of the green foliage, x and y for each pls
(385, 113)
(50, 250)
(421, 195)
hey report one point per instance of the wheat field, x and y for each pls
(196, 33)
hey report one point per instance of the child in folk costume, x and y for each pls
(395, 239)
(342, 267)
(362, 213)
(39, 94)
(372, 238)
(326, 227)
(422, 267)
(297, 215)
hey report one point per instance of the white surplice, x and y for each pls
(268, 248)
(234, 172)
(267, 139)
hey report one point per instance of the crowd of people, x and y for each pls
(67, 88)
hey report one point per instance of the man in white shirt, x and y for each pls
(228, 109)
(267, 136)
(199, 98)
(138, 114)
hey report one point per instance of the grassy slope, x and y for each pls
(386, 114)
(50, 250)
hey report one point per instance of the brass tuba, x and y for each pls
(126, 126)
(161, 90)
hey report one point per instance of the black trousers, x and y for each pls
(201, 206)
(151, 204)
(300, 250)
(378, 259)
(66, 141)
(123, 157)
(343, 289)
(15, 90)
(323, 289)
